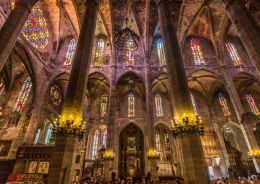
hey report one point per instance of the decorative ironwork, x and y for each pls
(187, 125)
(69, 127)
(126, 39)
(152, 154)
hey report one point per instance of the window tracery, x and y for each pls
(55, 94)
(223, 104)
(70, 53)
(100, 52)
(233, 53)
(35, 29)
(158, 105)
(23, 95)
(197, 52)
(103, 105)
(252, 104)
(194, 104)
(95, 145)
(48, 134)
(157, 141)
(160, 52)
(131, 105)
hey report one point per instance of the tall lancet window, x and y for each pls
(70, 53)
(104, 139)
(252, 104)
(48, 134)
(131, 105)
(158, 105)
(23, 95)
(157, 141)
(196, 51)
(100, 52)
(160, 52)
(232, 50)
(95, 145)
(130, 53)
(194, 104)
(103, 105)
(2, 86)
(223, 104)
(167, 142)
(37, 136)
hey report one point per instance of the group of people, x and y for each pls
(239, 181)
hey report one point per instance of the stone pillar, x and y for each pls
(12, 28)
(246, 28)
(63, 154)
(192, 159)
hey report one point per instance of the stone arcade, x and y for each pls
(166, 90)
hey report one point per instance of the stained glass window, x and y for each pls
(35, 29)
(95, 145)
(100, 52)
(158, 105)
(131, 105)
(196, 51)
(55, 94)
(224, 105)
(194, 104)
(37, 136)
(23, 95)
(48, 134)
(130, 53)
(2, 86)
(160, 52)
(233, 54)
(70, 53)
(167, 142)
(103, 105)
(252, 104)
(157, 141)
(104, 139)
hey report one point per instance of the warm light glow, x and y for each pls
(252, 104)
(254, 153)
(109, 154)
(72, 115)
(223, 104)
(153, 154)
(196, 51)
(233, 54)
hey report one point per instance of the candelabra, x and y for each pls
(109, 154)
(187, 125)
(69, 126)
(254, 153)
(152, 154)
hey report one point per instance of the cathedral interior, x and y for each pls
(168, 90)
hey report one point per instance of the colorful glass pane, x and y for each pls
(55, 94)
(23, 95)
(35, 29)
(104, 139)
(196, 51)
(158, 105)
(13, 4)
(233, 54)
(103, 105)
(131, 105)
(167, 142)
(194, 104)
(70, 53)
(48, 134)
(2, 86)
(252, 104)
(100, 52)
(223, 104)
(157, 141)
(130, 53)
(37, 136)
(95, 145)
(160, 52)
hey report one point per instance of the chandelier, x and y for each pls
(109, 155)
(187, 125)
(152, 154)
(68, 127)
(254, 153)
(126, 39)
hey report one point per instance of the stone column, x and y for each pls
(246, 28)
(12, 28)
(192, 159)
(63, 154)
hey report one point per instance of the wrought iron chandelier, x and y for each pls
(126, 39)
(254, 153)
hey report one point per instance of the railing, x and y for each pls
(35, 152)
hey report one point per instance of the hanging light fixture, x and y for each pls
(126, 39)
